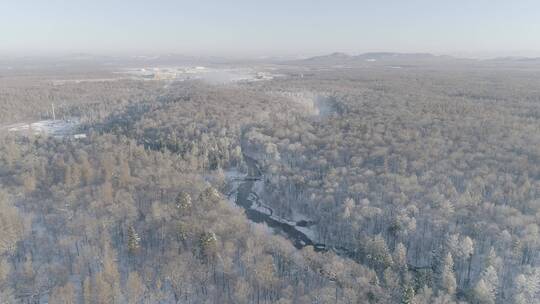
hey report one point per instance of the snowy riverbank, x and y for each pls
(258, 211)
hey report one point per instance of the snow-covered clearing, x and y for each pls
(56, 128)
(309, 232)
(215, 75)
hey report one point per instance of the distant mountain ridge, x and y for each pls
(338, 58)
(516, 59)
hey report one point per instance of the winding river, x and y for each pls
(282, 226)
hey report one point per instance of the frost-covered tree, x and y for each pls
(378, 253)
(183, 202)
(133, 240)
(488, 285)
(400, 258)
(448, 279)
(527, 287)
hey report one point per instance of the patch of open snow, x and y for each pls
(283, 220)
(252, 197)
(258, 187)
(262, 209)
(56, 128)
(212, 75)
(77, 81)
(308, 232)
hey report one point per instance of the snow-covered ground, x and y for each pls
(67, 81)
(212, 75)
(258, 187)
(261, 208)
(309, 232)
(56, 128)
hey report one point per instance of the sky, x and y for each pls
(473, 28)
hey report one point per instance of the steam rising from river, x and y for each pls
(315, 104)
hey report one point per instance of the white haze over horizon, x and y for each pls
(242, 28)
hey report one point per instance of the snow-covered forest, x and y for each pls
(411, 185)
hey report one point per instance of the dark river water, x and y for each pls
(297, 237)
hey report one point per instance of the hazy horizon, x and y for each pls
(244, 28)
